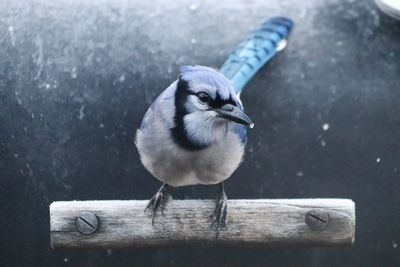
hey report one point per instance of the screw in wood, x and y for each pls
(317, 219)
(86, 223)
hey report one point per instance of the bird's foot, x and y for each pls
(220, 212)
(158, 201)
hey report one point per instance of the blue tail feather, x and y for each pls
(256, 50)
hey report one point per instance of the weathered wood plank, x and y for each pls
(279, 222)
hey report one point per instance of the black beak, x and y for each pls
(230, 112)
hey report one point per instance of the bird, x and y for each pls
(195, 131)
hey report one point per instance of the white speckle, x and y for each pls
(299, 174)
(193, 41)
(81, 113)
(378, 160)
(302, 75)
(121, 78)
(12, 35)
(16, 155)
(66, 259)
(193, 7)
(169, 69)
(48, 86)
(325, 127)
(251, 150)
(251, 125)
(375, 17)
(109, 252)
(101, 125)
(74, 73)
(394, 244)
(339, 43)
(33, 116)
(323, 143)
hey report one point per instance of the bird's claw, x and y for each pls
(158, 201)
(220, 212)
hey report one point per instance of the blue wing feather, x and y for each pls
(258, 48)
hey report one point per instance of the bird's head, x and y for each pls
(206, 104)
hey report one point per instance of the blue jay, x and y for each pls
(195, 131)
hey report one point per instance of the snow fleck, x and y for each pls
(16, 155)
(395, 245)
(121, 78)
(81, 112)
(325, 127)
(66, 259)
(109, 252)
(300, 174)
(33, 116)
(323, 143)
(193, 41)
(74, 73)
(378, 160)
(48, 86)
(193, 7)
(339, 43)
(101, 125)
(12, 35)
(169, 69)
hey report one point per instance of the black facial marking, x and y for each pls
(178, 133)
(218, 102)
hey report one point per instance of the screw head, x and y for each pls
(86, 223)
(317, 219)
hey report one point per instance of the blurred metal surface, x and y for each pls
(390, 7)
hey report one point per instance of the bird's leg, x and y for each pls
(158, 201)
(221, 207)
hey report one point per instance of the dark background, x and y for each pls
(76, 78)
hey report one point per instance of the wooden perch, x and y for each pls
(281, 222)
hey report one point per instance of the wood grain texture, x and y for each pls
(279, 222)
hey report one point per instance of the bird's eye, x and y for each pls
(203, 96)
